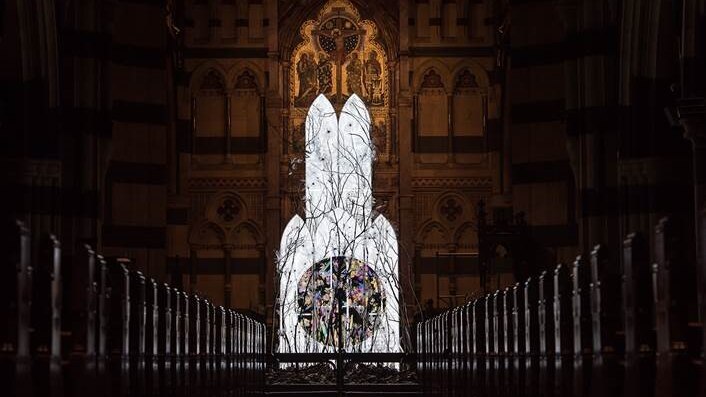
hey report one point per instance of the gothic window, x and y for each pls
(432, 111)
(246, 114)
(210, 118)
(468, 110)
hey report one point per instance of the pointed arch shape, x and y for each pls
(431, 64)
(241, 67)
(477, 69)
(202, 70)
(205, 225)
(250, 226)
(427, 226)
(461, 229)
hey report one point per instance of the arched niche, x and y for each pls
(470, 111)
(466, 237)
(246, 115)
(431, 101)
(206, 234)
(208, 90)
(433, 236)
(469, 108)
(246, 239)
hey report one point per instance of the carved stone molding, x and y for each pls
(228, 183)
(452, 183)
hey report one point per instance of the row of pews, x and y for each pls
(609, 324)
(95, 327)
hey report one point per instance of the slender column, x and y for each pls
(452, 274)
(227, 157)
(227, 277)
(404, 135)
(277, 95)
(194, 126)
(193, 260)
(262, 290)
(691, 116)
(450, 126)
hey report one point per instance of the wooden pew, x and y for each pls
(165, 339)
(152, 334)
(124, 335)
(138, 337)
(638, 317)
(184, 363)
(118, 350)
(563, 335)
(103, 289)
(675, 298)
(545, 320)
(606, 325)
(531, 335)
(194, 370)
(45, 321)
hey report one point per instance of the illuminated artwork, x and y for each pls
(338, 56)
(318, 309)
(338, 266)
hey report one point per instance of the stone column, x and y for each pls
(276, 91)
(452, 273)
(227, 276)
(406, 161)
(262, 282)
(193, 261)
(417, 265)
(691, 116)
(405, 164)
(450, 127)
(227, 153)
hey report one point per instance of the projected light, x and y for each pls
(342, 258)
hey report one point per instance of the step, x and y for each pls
(358, 390)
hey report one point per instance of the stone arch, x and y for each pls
(242, 67)
(432, 237)
(474, 67)
(202, 71)
(462, 232)
(428, 227)
(424, 68)
(250, 227)
(206, 234)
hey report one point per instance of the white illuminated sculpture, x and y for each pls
(342, 258)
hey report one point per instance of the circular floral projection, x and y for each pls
(362, 300)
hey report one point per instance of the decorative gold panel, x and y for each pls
(338, 56)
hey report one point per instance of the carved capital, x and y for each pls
(691, 113)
